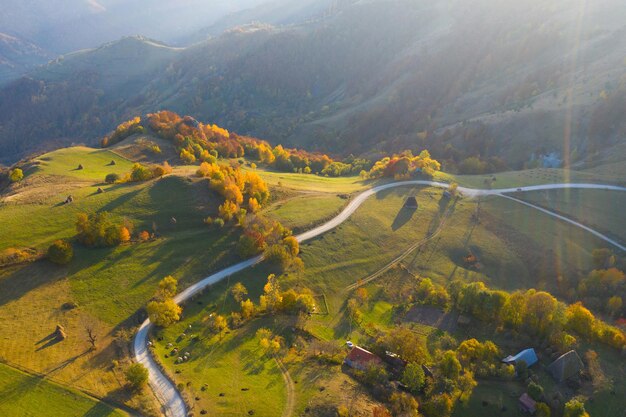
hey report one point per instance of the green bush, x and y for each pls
(111, 178)
(60, 252)
(137, 376)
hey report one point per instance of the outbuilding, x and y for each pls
(566, 366)
(527, 355)
(527, 404)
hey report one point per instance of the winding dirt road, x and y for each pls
(165, 390)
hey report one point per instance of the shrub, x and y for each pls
(14, 256)
(60, 252)
(535, 391)
(160, 170)
(16, 175)
(413, 377)
(187, 157)
(137, 376)
(141, 173)
(144, 236)
(575, 408)
(111, 178)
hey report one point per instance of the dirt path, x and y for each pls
(291, 390)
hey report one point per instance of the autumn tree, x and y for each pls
(164, 313)
(271, 293)
(16, 175)
(291, 243)
(227, 210)
(218, 324)
(239, 291)
(575, 408)
(253, 205)
(187, 157)
(124, 234)
(580, 319)
(167, 287)
(449, 365)
(404, 342)
(247, 309)
(60, 252)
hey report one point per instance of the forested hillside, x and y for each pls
(486, 86)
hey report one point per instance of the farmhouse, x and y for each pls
(527, 355)
(527, 404)
(566, 366)
(361, 359)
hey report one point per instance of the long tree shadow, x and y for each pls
(48, 341)
(99, 409)
(19, 280)
(120, 201)
(404, 215)
(19, 388)
(67, 362)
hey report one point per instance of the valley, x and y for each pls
(372, 230)
(312, 208)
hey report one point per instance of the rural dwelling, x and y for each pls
(527, 355)
(566, 366)
(361, 359)
(410, 203)
(527, 404)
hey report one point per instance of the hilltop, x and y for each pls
(333, 83)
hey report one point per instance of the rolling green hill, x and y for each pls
(424, 78)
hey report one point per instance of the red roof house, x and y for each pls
(361, 359)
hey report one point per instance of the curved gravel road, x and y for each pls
(165, 390)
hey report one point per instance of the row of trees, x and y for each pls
(196, 141)
(536, 312)
(121, 132)
(404, 165)
(140, 173)
(99, 230)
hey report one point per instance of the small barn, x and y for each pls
(411, 203)
(527, 355)
(527, 404)
(566, 366)
(361, 359)
(395, 361)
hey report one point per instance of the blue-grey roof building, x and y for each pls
(527, 355)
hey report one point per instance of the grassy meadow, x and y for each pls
(23, 395)
(600, 209)
(517, 248)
